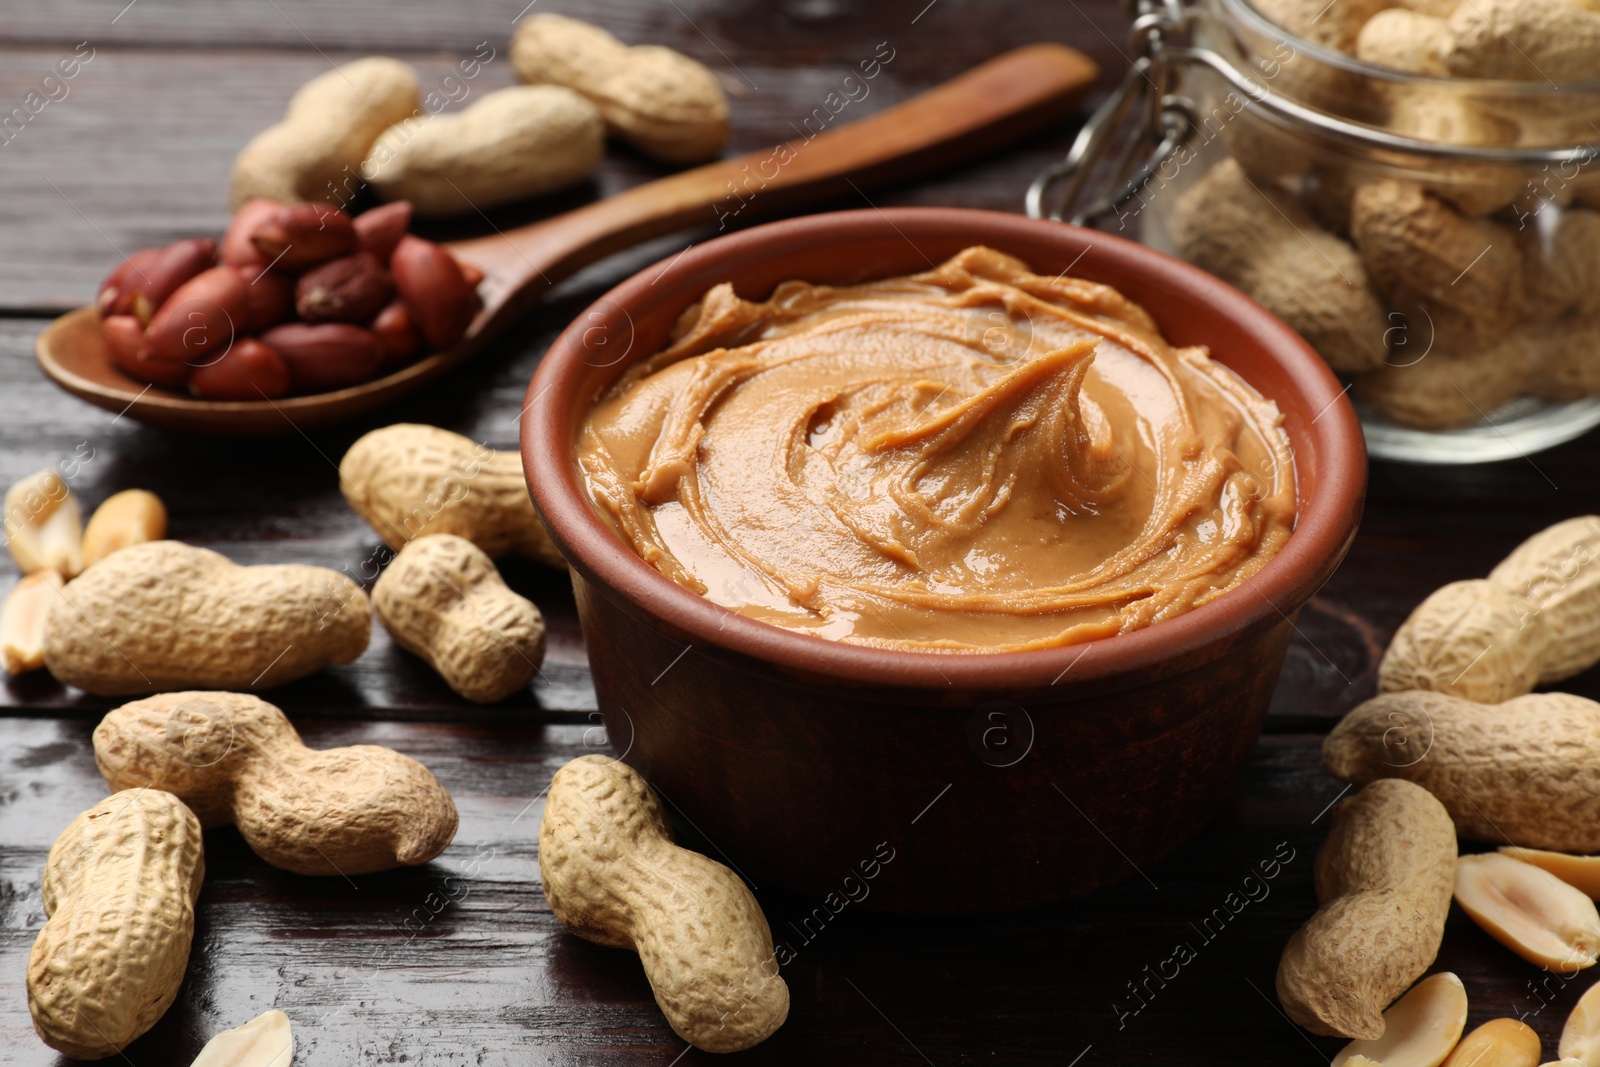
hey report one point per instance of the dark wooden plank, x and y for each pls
(374, 969)
(726, 36)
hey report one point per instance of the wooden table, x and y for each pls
(390, 968)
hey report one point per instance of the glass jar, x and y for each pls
(1435, 237)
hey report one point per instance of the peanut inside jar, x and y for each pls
(977, 458)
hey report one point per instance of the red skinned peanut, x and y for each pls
(436, 293)
(378, 231)
(323, 356)
(237, 249)
(128, 349)
(178, 263)
(206, 312)
(347, 289)
(117, 291)
(295, 237)
(270, 296)
(250, 370)
(398, 340)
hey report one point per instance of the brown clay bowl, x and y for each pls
(996, 781)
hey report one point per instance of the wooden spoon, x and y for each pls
(995, 103)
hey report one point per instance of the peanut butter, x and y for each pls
(977, 458)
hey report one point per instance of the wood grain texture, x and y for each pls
(733, 37)
(380, 972)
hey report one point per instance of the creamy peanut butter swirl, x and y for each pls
(976, 458)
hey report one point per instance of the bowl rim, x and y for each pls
(1325, 523)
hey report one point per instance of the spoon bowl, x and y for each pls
(73, 355)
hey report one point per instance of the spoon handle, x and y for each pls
(1007, 97)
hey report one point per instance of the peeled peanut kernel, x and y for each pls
(130, 517)
(264, 1041)
(22, 620)
(1532, 912)
(1580, 872)
(1580, 1037)
(1497, 1043)
(44, 527)
(1419, 1029)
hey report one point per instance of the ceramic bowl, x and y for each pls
(936, 782)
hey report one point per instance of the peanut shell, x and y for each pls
(234, 758)
(315, 153)
(1558, 570)
(1419, 248)
(441, 598)
(1384, 879)
(407, 480)
(1549, 41)
(510, 145)
(119, 889)
(165, 615)
(1449, 387)
(1473, 639)
(1563, 264)
(1523, 772)
(613, 876)
(1261, 240)
(660, 101)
